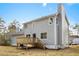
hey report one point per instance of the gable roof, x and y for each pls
(44, 17)
(16, 33)
(40, 18)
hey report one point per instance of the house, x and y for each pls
(52, 30)
(13, 33)
(13, 37)
(74, 36)
(74, 39)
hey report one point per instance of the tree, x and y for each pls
(76, 26)
(2, 30)
(2, 26)
(14, 26)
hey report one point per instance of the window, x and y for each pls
(44, 35)
(50, 20)
(28, 35)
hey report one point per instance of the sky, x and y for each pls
(24, 12)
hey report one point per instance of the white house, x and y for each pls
(52, 30)
(74, 36)
(13, 36)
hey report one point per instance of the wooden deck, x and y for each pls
(23, 42)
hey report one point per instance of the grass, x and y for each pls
(13, 51)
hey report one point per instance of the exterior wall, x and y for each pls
(59, 30)
(42, 26)
(65, 29)
(62, 31)
(13, 41)
(65, 33)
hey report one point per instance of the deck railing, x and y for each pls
(36, 42)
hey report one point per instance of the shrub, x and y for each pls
(6, 42)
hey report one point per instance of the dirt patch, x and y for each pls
(13, 51)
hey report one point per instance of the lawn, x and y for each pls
(13, 51)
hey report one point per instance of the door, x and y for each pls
(34, 35)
